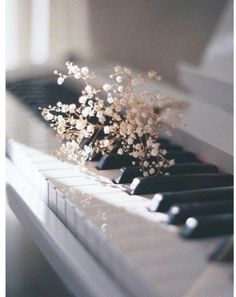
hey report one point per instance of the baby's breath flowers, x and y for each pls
(114, 118)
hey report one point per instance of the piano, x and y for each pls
(105, 230)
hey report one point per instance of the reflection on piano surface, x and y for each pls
(129, 232)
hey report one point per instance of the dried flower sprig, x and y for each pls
(114, 118)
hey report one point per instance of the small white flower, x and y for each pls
(60, 129)
(59, 104)
(60, 80)
(90, 128)
(107, 129)
(145, 163)
(86, 111)
(99, 114)
(151, 171)
(154, 152)
(109, 111)
(119, 79)
(77, 75)
(106, 142)
(127, 71)
(144, 115)
(102, 120)
(139, 132)
(82, 99)
(164, 152)
(106, 87)
(151, 74)
(149, 142)
(90, 103)
(89, 89)
(88, 149)
(120, 89)
(155, 145)
(49, 116)
(74, 69)
(130, 140)
(100, 103)
(81, 124)
(120, 151)
(145, 173)
(85, 71)
(72, 107)
(172, 162)
(91, 114)
(64, 108)
(117, 68)
(110, 99)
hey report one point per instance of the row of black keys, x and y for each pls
(194, 194)
(41, 92)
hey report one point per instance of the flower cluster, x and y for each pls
(116, 118)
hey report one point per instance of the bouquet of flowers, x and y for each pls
(118, 117)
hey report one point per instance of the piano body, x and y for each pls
(126, 238)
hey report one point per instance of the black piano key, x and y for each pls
(127, 174)
(182, 157)
(205, 226)
(190, 168)
(155, 184)
(163, 140)
(96, 157)
(179, 213)
(114, 161)
(161, 202)
(42, 91)
(171, 147)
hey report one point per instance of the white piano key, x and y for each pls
(81, 227)
(52, 197)
(62, 172)
(100, 188)
(43, 189)
(70, 216)
(37, 158)
(74, 181)
(117, 198)
(50, 165)
(61, 206)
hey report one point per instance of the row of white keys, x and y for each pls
(100, 248)
(159, 252)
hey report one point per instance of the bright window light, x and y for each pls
(40, 31)
(12, 42)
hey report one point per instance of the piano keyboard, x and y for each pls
(147, 219)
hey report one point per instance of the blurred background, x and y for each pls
(182, 40)
(153, 34)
